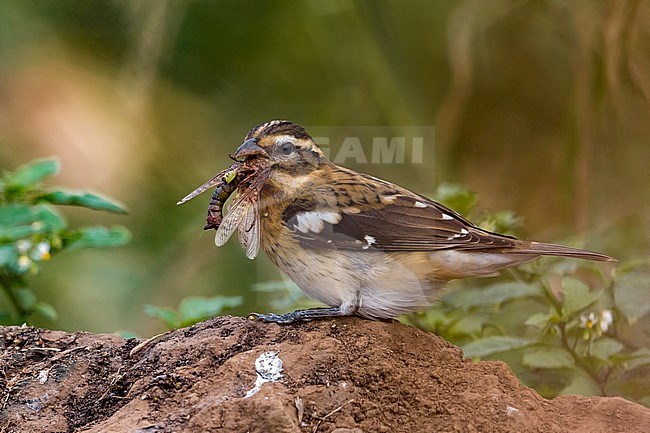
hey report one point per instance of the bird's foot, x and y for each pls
(272, 318)
(299, 315)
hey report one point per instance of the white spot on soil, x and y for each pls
(510, 411)
(269, 369)
(43, 375)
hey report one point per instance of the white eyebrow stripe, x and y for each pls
(314, 221)
(281, 139)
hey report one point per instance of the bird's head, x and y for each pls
(285, 145)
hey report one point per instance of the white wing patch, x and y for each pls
(420, 204)
(314, 221)
(369, 240)
(447, 217)
(388, 199)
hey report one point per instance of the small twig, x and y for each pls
(321, 419)
(147, 343)
(4, 401)
(67, 352)
(51, 349)
(593, 375)
(300, 408)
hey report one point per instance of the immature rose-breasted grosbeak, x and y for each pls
(359, 244)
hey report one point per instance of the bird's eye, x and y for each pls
(287, 148)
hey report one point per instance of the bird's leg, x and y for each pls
(303, 315)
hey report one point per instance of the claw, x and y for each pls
(272, 318)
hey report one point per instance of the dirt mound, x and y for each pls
(234, 375)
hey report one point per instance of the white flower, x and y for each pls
(589, 321)
(606, 319)
(24, 263)
(23, 246)
(41, 252)
(596, 324)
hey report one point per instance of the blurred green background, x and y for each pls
(540, 107)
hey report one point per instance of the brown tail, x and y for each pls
(563, 251)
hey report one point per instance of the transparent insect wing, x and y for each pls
(200, 190)
(231, 221)
(246, 223)
(252, 233)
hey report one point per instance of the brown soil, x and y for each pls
(346, 375)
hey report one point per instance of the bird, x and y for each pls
(356, 243)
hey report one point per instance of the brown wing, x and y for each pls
(405, 223)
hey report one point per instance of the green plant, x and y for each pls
(32, 231)
(193, 309)
(562, 326)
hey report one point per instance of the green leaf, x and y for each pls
(167, 315)
(46, 310)
(50, 217)
(8, 255)
(19, 221)
(34, 172)
(26, 298)
(84, 199)
(96, 237)
(635, 359)
(632, 294)
(15, 214)
(193, 309)
(604, 348)
(492, 295)
(581, 385)
(430, 320)
(501, 222)
(5, 318)
(538, 320)
(494, 344)
(547, 357)
(577, 297)
(457, 197)
(126, 334)
(469, 325)
(20, 232)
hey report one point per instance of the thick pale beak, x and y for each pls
(248, 149)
